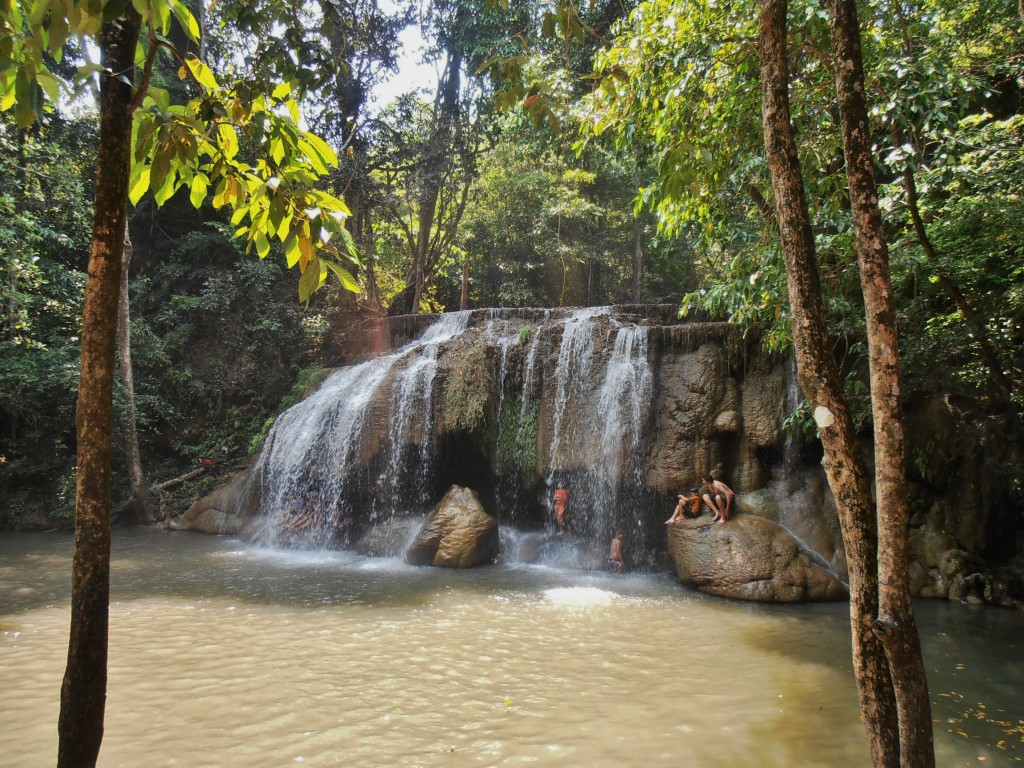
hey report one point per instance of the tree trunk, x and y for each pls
(822, 385)
(464, 298)
(445, 118)
(83, 693)
(638, 259)
(895, 624)
(141, 499)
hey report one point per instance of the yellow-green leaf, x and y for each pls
(227, 140)
(201, 73)
(310, 280)
(186, 19)
(262, 245)
(200, 185)
(140, 183)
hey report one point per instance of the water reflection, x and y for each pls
(223, 654)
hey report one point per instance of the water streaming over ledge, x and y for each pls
(573, 392)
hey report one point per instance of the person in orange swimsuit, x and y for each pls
(561, 498)
(687, 504)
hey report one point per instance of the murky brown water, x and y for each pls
(223, 655)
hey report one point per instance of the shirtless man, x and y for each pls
(561, 499)
(687, 503)
(718, 496)
(615, 554)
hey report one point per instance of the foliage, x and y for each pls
(218, 342)
(467, 390)
(972, 201)
(42, 252)
(517, 435)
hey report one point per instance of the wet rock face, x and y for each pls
(459, 534)
(749, 558)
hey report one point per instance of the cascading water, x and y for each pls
(601, 403)
(306, 465)
(568, 397)
(625, 403)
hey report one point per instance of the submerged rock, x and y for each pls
(749, 558)
(459, 534)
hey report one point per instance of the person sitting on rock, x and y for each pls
(615, 554)
(718, 496)
(687, 503)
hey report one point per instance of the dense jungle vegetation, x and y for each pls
(828, 176)
(609, 153)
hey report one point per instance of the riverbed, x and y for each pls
(224, 654)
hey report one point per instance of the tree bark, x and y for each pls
(895, 625)
(83, 692)
(822, 384)
(464, 298)
(638, 259)
(143, 502)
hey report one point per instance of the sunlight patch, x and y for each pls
(579, 596)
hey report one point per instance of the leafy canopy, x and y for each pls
(204, 145)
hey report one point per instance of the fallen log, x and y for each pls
(128, 506)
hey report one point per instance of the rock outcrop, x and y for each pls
(749, 558)
(628, 406)
(224, 511)
(459, 534)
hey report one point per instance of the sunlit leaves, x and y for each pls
(229, 145)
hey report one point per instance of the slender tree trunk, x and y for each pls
(895, 624)
(83, 693)
(464, 298)
(638, 259)
(143, 502)
(822, 384)
(444, 128)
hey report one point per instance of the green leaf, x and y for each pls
(201, 73)
(200, 186)
(344, 277)
(262, 245)
(140, 182)
(186, 19)
(310, 280)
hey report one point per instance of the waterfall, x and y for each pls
(794, 440)
(624, 403)
(601, 404)
(572, 374)
(306, 465)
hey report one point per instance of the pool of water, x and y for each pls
(224, 654)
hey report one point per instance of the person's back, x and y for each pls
(615, 554)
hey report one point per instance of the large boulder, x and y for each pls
(749, 558)
(459, 534)
(224, 511)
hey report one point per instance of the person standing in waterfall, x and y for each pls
(718, 496)
(615, 554)
(561, 498)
